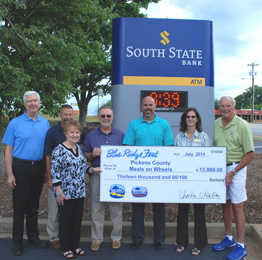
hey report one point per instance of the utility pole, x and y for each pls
(252, 74)
(100, 93)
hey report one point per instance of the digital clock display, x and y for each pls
(168, 101)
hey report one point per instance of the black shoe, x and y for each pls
(158, 246)
(18, 249)
(136, 245)
(39, 243)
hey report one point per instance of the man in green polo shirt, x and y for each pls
(234, 133)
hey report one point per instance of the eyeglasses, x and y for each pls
(105, 116)
(191, 116)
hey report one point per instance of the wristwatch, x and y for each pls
(59, 193)
(234, 171)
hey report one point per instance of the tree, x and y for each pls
(34, 54)
(108, 103)
(244, 100)
(58, 48)
(216, 103)
(96, 42)
(12, 81)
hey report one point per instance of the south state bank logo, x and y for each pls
(117, 191)
(187, 57)
(164, 35)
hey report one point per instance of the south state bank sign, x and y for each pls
(171, 61)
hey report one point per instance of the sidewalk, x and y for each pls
(215, 233)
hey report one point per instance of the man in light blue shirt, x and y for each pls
(148, 130)
(24, 139)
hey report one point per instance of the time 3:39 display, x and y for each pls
(168, 101)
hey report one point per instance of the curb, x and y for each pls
(215, 231)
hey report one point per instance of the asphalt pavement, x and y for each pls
(256, 129)
(145, 252)
(253, 241)
(258, 147)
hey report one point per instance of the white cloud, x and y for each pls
(166, 10)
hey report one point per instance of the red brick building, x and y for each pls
(246, 114)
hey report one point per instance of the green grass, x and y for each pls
(257, 138)
(88, 118)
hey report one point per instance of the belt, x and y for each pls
(28, 162)
(229, 164)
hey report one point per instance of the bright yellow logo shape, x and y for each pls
(164, 35)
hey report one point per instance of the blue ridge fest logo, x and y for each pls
(139, 192)
(117, 191)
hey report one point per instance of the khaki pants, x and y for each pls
(52, 226)
(98, 213)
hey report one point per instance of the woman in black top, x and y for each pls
(68, 168)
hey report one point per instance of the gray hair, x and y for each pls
(228, 98)
(103, 107)
(29, 93)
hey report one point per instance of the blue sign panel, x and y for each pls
(162, 52)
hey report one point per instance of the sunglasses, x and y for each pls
(105, 116)
(191, 116)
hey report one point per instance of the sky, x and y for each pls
(237, 37)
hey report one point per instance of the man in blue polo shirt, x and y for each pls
(54, 137)
(105, 134)
(24, 139)
(148, 130)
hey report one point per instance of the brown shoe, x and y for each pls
(95, 246)
(56, 244)
(116, 244)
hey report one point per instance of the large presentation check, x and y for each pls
(163, 174)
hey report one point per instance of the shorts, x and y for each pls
(236, 191)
